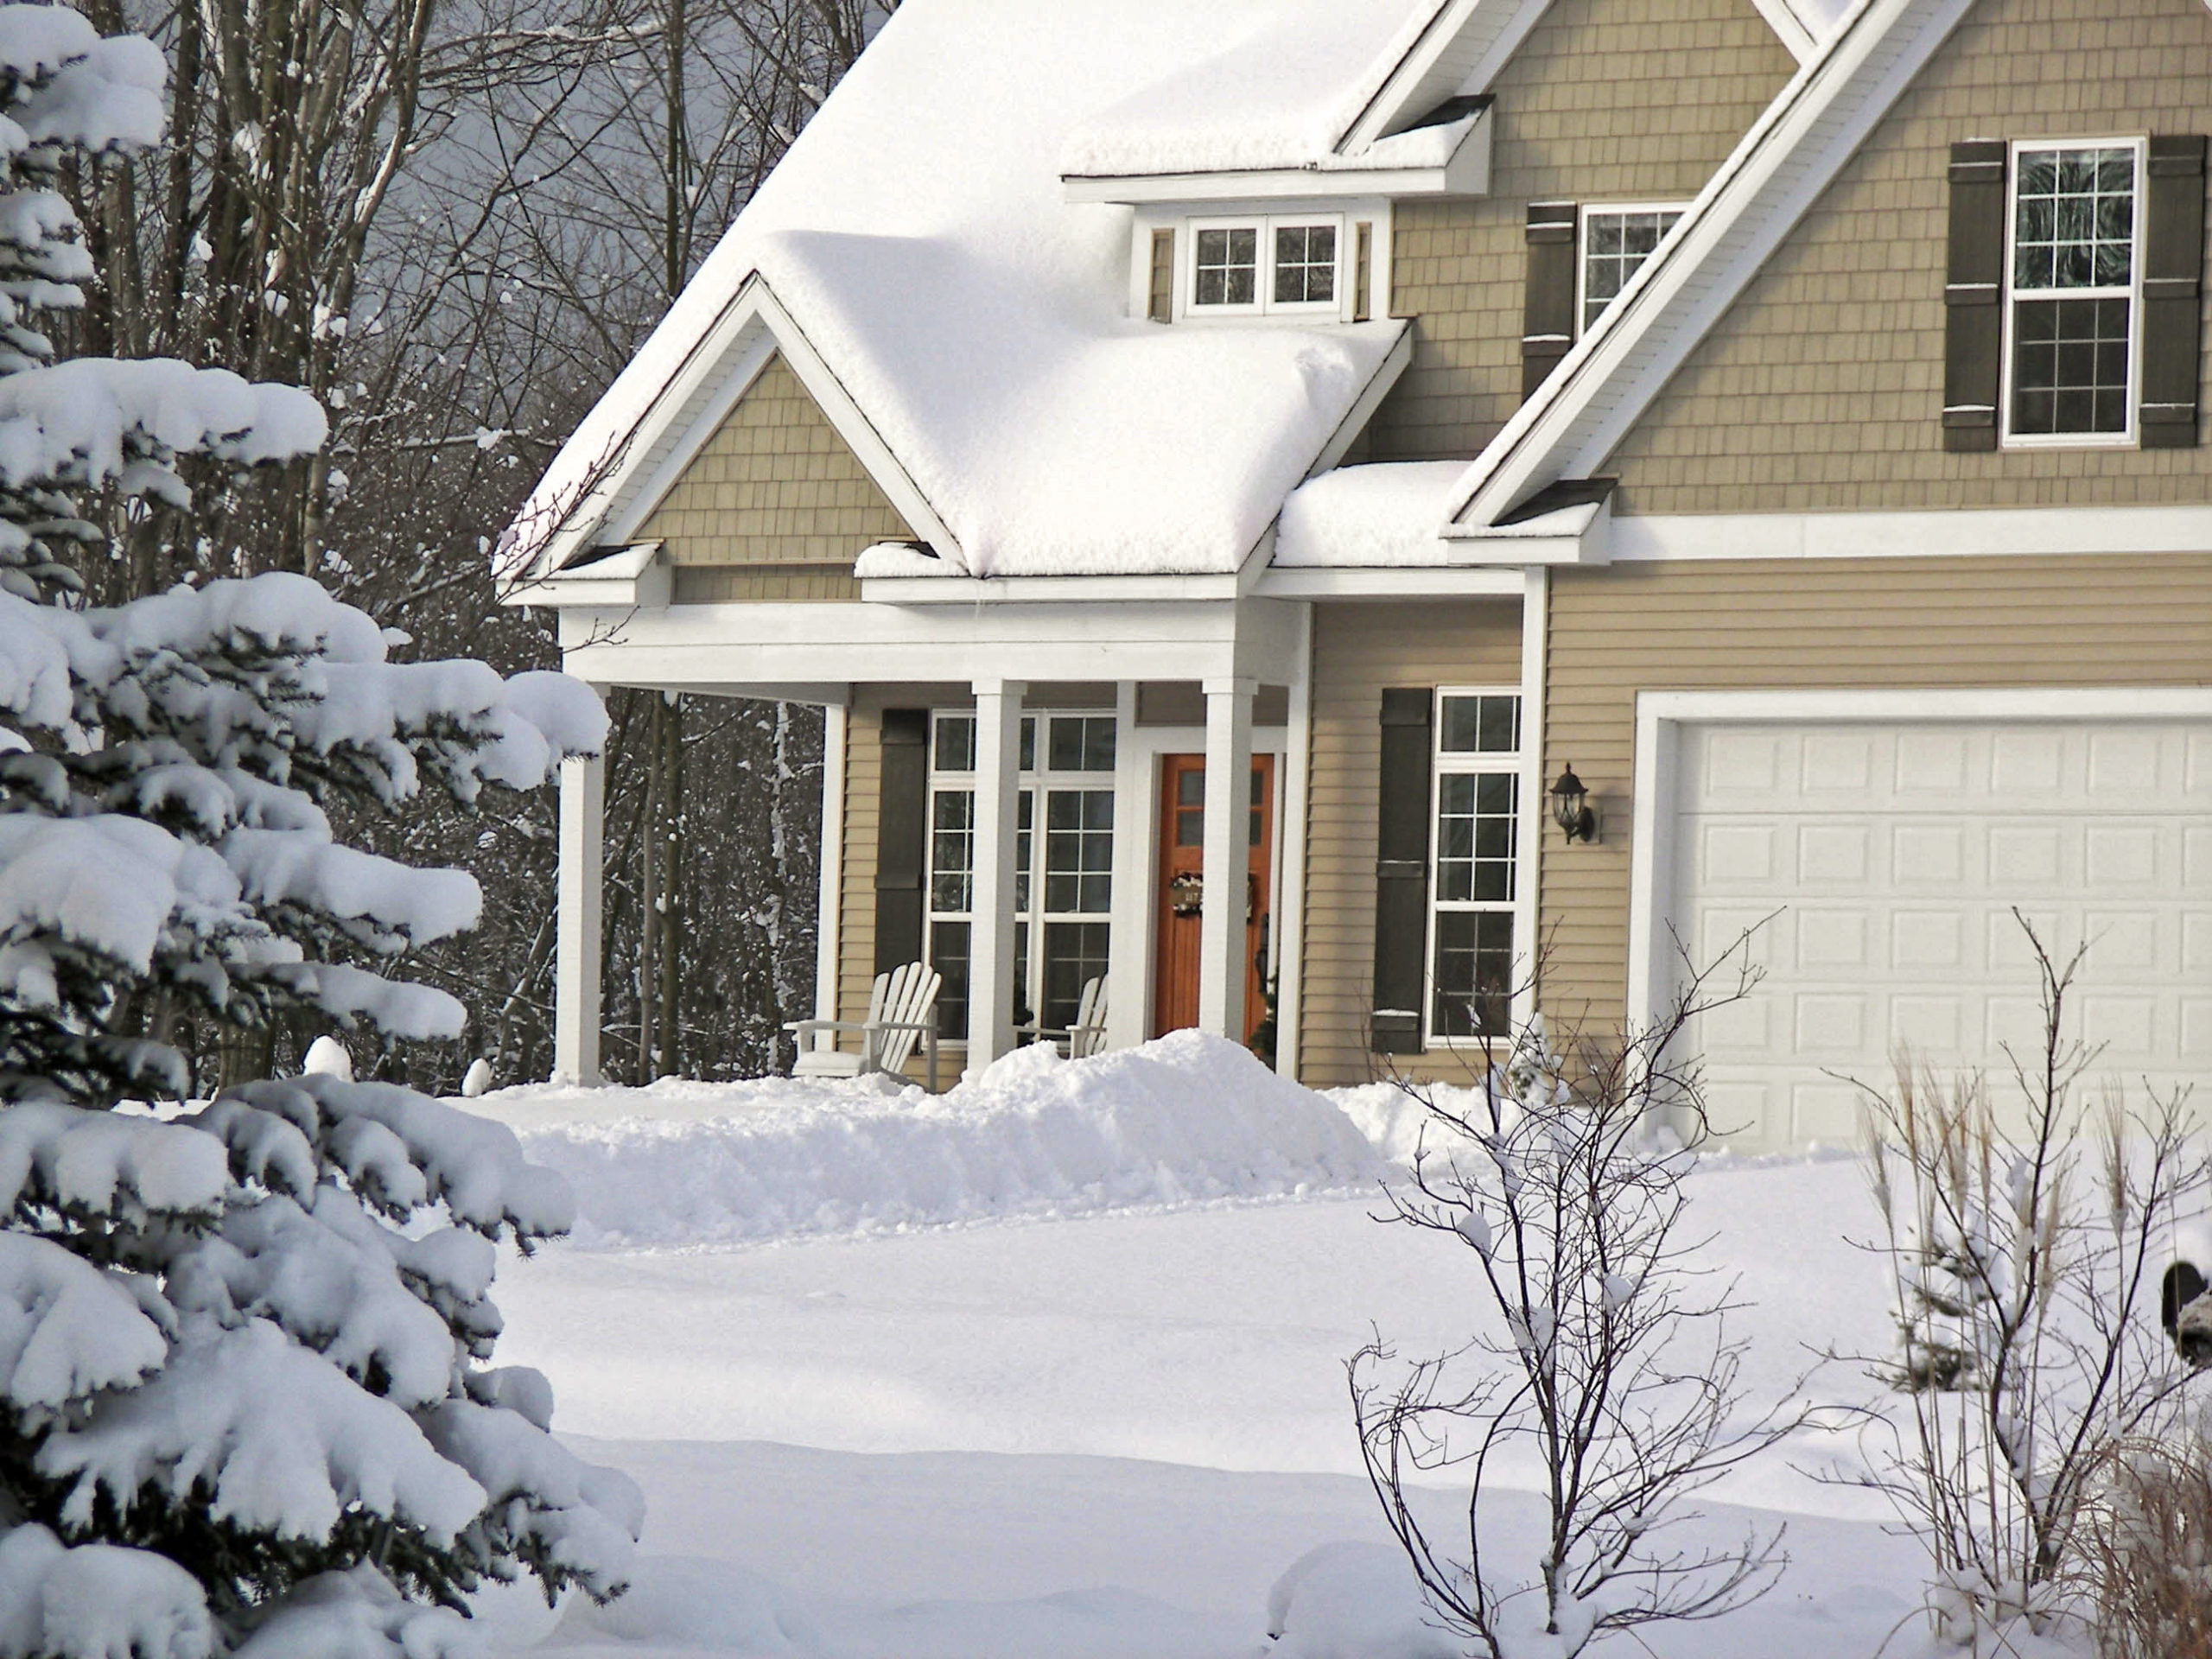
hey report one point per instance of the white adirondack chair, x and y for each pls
(901, 1006)
(1087, 1036)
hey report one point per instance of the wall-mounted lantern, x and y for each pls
(1571, 806)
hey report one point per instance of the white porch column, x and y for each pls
(1222, 966)
(829, 912)
(1128, 973)
(576, 955)
(990, 935)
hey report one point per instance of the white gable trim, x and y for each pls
(693, 403)
(1363, 407)
(1791, 29)
(1605, 383)
(1461, 51)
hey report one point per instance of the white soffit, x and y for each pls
(1815, 124)
(1460, 52)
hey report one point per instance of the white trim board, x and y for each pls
(1661, 716)
(1958, 532)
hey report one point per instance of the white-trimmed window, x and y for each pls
(1616, 240)
(1068, 784)
(1252, 267)
(2073, 272)
(1474, 853)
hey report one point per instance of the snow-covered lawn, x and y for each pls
(1054, 1366)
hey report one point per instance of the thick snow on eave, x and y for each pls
(1387, 513)
(917, 236)
(1283, 92)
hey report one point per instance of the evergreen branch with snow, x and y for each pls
(247, 1405)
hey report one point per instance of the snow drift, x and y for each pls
(1184, 1119)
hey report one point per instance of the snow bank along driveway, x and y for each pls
(1107, 1431)
(1186, 1119)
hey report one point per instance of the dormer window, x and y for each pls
(1252, 267)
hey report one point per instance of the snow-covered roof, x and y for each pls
(917, 237)
(1282, 91)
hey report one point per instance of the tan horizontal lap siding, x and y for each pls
(1358, 649)
(1892, 624)
(774, 486)
(1822, 388)
(1607, 101)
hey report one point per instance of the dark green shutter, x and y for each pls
(1973, 310)
(2173, 267)
(901, 854)
(1547, 309)
(1401, 870)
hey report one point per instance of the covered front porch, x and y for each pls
(1028, 797)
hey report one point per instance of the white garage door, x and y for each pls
(1894, 854)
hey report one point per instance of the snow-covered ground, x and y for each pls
(1053, 1366)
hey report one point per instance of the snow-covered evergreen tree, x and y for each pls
(243, 1400)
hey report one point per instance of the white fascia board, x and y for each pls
(1044, 590)
(1461, 51)
(1395, 581)
(1369, 399)
(709, 645)
(635, 576)
(1602, 387)
(1958, 532)
(1576, 535)
(1466, 174)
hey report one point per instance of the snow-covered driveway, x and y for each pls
(1093, 1427)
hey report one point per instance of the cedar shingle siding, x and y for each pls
(1823, 387)
(1802, 624)
(774, 486)
(1607, 100)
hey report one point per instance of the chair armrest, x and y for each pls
(800, 1027)
(893, 1025)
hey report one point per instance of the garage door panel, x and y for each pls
(2197, 858)
(1895, 855)
(1931, 763)
(2029, 855)
(1836, 761)
(2127, 945)
(2026, 766)
(1928, 855)
(1835, 854)
(2196, 767)
(1921, 939)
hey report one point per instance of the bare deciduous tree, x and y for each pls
(1611, 1366)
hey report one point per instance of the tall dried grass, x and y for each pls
(2148, 1562)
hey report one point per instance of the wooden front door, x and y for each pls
(1182, 897)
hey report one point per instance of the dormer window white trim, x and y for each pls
(1265, 264)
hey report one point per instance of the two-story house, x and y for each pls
(1220, 463)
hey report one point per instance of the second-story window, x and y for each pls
(1616, 241)
(2072, 280)
(1256, 266)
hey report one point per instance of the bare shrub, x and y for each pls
(1610, 1361)
(2025, 1266)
